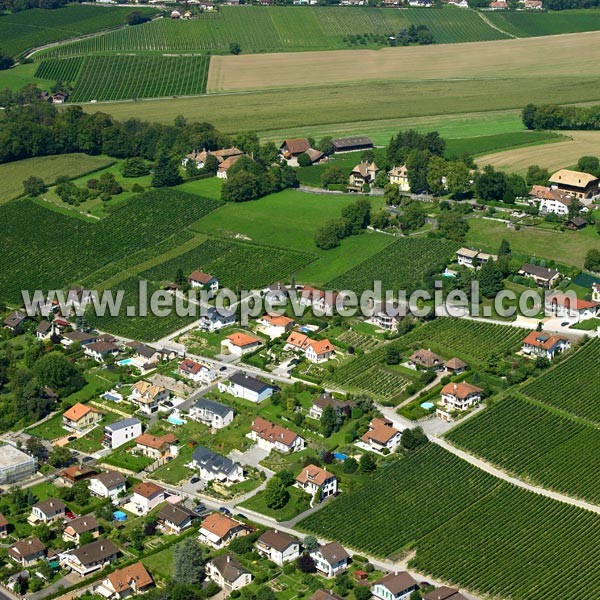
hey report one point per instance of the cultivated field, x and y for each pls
(49, 168)
(31, 28)
(499, 59)
(127, 77)
(531, 543)
(552, 156)
(536, 444)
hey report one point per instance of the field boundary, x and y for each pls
(494, 26)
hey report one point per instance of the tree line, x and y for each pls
(554, 116)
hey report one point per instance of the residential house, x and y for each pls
(214, 319)
(580, 185)
(399, 176)
(27, 552)
(342, 407)
(330, 559)
(291, 149)
(221, 155)
(363, 174)
(204, 281)
(547, 278)
(128, 581)
(211, 413)
(99, 351)
(154, 446)
(559, 205)
(457, 397)
(74, 474)
(270, 436)
(387, 316)
(323, 594)
(466, 257)
(108, 485)
(78, 337)
(217, 530)
(173, 518)
(212, 466)
(228, 573)
(196, 371)
(394, 586)
(240, 343)
(322, 303)
(47, 511)
(351, 144)
(3, 526)
(14, 321)
(80, 417)
(445, 592)
(278, 546)
(226, 165)
(146, 357)
(147, 495)
(425, 359)
(244, 386)
(456, 366)
(148, 396)
(382, 435)
(542, 343)
(275, 325)
(316, 351)
(89, 558)
(44, 331)
(77, 527)
(121, 432)
(58, 97)
(313, 480)
(571, 307)
(276, 293)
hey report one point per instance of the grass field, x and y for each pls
(551, 156)
(568, 247)
(511, 543)
(31, 28)
(127, 77)
(49, 168)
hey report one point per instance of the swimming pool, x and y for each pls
(427, 405)
(125, 361)
(119, 515)
(175, 420)
(339, 456)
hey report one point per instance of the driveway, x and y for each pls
(251, 458)
(64, 582)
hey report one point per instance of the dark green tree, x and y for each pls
(166, 172)
(276, 493)
(34, 186)
(188, 562)
(490, 279)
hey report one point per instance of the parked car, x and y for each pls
(194, 479)
(240, 516)
(225, 511)
(200, 508)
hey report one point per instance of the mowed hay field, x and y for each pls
(551, 156)
(512, 58)
(531, 23)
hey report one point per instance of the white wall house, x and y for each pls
(394, 586)
(121, 432)
(271, 436)
(330, 559)
(211, 413)
(246, 387)
(108, 485)
(313, 480)
(278, 546)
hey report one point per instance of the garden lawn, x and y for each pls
(161, 563)
(298, 503)
(50, 429)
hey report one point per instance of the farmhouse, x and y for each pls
(204, 281)
(173, 518)
(558, 206)
(394, 586)
(351, 144)
(330, 559)
(215, 319)
(247, 387)
(270, 436)
(226, 165)
(212, 413)
(363, 174)
(217, 530)
(580, 185)
(399, 176)
(156, 446)
(228, 573)
(146, 496)
(239, 344)
(530, 5)
(195, 371)
(108, 485)
(221, 155)
(563, 305)
(547, 278)
(313, 479)
(315, 351)
(278, 546)
(148, 396)
(89, 558)
(77, 527)
(27, 552)
(130, 580)
(424, 359)
(342, 407)
(47, 511)
(80, 417)
(212, 466)
(382, 435)
(15, 464)
(457, 396)
(576, 223)
(120, 432)
(275, 325)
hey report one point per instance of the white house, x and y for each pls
(217, 530)
(201, 280)
(571, 307)
(155, 446)
(99, 351)
(271, 436)
(107, 485)
(47, 511)
(148, 396)
(394, 586)
(195, 371)
(212, 413)
(541, 343)
(240, 343)
(457, 396)
(278, 546)
(382, 435)
(212, 466)
(399, 176)
(214, 319)
(125, 582)
(330, 559)
(228, 573)
(275, 325)
(174, 518)
(313, 479)
(89, 558)
(315, 351)
(473, 259)
(146, 496)
(121, 432)
(247, 387)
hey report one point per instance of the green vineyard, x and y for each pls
(572, 386)
(536, 444)
(468, 528)
(400, 266)
(126, 77)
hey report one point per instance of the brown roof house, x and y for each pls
(89, 558)
(313, 480)
(204, 281)
(330, 559)
(228, 573)
(541, 343)
(270, 436)
(395, 586)
(424, 359)
(342, 407)
(444, 592)
(457, 397)
(27, 552)
(217, 530)
(278, 546)
(155, 446)
(291, 150)
(325, 595)
(581, 185)
(74, 474)
(546, 278)
(14, 321)
(80, 417)
(47, 511)
(363, 174)
(147, 495)
(108, 485)
(381, 436)
(125, 582)
(456, 366)
(77, 527)
(173, 519)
